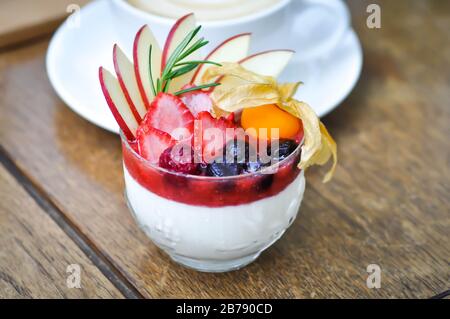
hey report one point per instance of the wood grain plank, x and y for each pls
(35, 252)
(388, 203)
(107, 269)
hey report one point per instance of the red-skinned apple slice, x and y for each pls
(141, 52)
(269, 63)
(177, 34)
(233, 49)
(118, 103)
(179, 30)
(127, 80)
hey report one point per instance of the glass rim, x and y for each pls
(201, 177)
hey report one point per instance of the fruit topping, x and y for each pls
(117, 103)
(180, 57)
(238, 157)
(253, 167)
(238, 151)
(231, 117)
(172, 97)
(233, 49)
(152, 143)
(127, 80)
(285, 148)
(232, 161)
(180, 159)
(270, 117)
(249, 89)
(147, 63)
(224, 169)
(269, 63)
(213, 134)
(180, 31)
(197, 101)
(169, 114)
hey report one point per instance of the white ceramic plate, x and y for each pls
(76, 52)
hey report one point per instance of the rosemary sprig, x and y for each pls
(166, 85)
(196, 88)
(175, 66)
(198, 62)
(182, 70)
(197, 45)
(175, 56)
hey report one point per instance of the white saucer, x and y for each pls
(76, 52)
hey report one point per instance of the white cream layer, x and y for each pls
(216, 233)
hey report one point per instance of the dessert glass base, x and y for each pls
(214, 265)
(214, 239)
(212, 224)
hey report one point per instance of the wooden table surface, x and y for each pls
(61, 188)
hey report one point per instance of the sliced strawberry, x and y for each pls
(169, 114)
(196, 101)
(230, 117)
(208, 121)
(212, 140)
(152, 142)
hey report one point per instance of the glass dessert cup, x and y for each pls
(212, 224)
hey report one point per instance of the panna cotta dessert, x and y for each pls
(212, 223)
(214, 149)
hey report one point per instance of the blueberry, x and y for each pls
(252, 167)
(237, 151)
(285, 148)
(224, 169)
(202, 169)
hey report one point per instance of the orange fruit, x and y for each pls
(268, 117)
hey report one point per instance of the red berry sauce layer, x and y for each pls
(210, 191)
